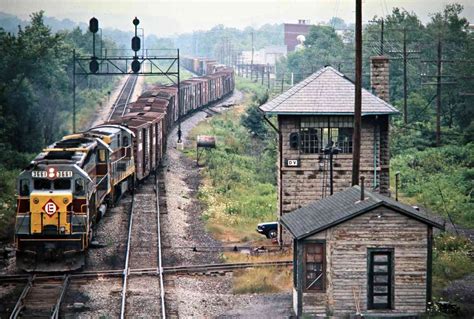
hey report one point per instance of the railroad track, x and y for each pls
(123, 99)
(41, 298)
(183, 269)
(43, 294)
(210, 112)
(139, 293)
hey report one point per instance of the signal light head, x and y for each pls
(135, 65)
(93, 25)
(94, 65)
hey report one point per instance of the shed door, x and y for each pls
(380, 279)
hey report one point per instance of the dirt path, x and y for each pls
(203, 296)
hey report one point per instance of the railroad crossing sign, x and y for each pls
(50, 207)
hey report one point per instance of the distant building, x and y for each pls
(268, 55)
(293, 30)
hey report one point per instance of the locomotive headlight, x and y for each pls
(62, 229)
(65, 200)
(35, 200)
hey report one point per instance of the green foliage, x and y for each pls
(441, 179)
(322, 47)
(253, 118)
(241, 172)
(7, 202)
(451, 260)
(213, 43)
(36, 100)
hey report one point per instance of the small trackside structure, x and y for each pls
(363, 252)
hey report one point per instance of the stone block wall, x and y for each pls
(310, 182)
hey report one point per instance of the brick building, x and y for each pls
(293, 30)
(318, 110)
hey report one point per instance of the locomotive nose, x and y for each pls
(49, 212)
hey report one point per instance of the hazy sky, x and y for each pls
(171, 17)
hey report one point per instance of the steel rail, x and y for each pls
(129, 86)
(224, 267)
(20, 303)
(160, 261)
(130, 92)
(127, 260)
(57, 306)
(147, 271)
(119, 97)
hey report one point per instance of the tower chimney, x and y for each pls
(379, 77)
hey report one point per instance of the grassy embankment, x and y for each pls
(239, 191)
(163, 80)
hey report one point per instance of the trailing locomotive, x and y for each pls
(66, 189)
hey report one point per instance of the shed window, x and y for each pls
(315, 267)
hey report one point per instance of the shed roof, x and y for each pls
(326, 92)
(342, 206)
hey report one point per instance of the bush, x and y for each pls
(7, 202)
(451, 259)
(441, 179)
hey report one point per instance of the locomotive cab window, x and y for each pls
(24, 187)
(42, 184)
(62, 184)
(79, 187)
(125, 141)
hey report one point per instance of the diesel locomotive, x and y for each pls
(67, 188)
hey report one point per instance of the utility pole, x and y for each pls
(405, 57)
(251, 61)
(438, 93)
(358, 95)
(405, 107)
(268, 76)
(381, 37)
(74, 91)
(282, 82)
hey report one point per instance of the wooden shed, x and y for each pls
(361, 250)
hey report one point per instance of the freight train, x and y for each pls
(201, 66)
(67, 188)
